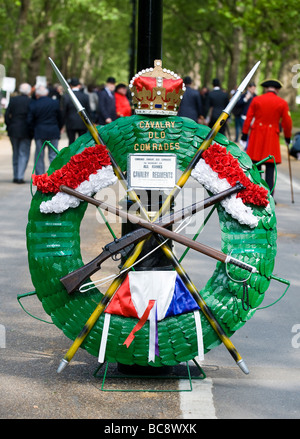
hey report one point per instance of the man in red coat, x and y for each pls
(265, 114)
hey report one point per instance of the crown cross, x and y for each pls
(156, 91)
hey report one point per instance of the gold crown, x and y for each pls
(156, 91)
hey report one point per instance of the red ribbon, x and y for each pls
(140, 323)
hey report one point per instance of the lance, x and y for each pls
(220, 122)
(160, 231)
(73, 280)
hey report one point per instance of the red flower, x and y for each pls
(229, 168)
(77, 170)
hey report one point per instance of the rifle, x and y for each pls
(73, 280)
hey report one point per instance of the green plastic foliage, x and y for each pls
(53, 242)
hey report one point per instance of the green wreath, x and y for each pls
(53, 242)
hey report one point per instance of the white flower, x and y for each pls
(61, 201)
(232, 205)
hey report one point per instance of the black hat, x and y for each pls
(111, 80)
(271, 83)
(216, 82)
(187, 80)
(74, 82)
(121, 85)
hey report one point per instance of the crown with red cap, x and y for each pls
(156, 91)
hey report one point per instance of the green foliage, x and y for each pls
(296, 118)
(80, 34)
(204, 38)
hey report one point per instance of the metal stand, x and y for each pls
(156, 377)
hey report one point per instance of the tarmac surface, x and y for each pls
(30, 350)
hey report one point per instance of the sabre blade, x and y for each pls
(66, 86)
(240, 89)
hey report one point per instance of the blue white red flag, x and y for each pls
(153, 296)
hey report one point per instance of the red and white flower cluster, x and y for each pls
(217, 171)
(87, 172)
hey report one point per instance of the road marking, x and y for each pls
(197, 404)
(286, 180)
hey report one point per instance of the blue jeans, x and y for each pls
(21, 153)
(40, 165)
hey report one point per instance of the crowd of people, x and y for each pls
(42, 113)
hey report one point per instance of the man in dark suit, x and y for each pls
(217, 100)
(71, 119)
(18, 131)
(44, 119)
(191, 105)
(107, 104)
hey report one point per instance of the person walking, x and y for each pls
(18, 131)
(45, 120)
(107, 103)
(262, 125)
(123, 108)
(241, 108)
(191, 105)
(93, 101)
(71, 119)
(217, 100)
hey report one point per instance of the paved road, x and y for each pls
(31, 388)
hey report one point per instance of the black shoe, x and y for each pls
(20, 181)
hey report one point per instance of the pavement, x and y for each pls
(30, 350)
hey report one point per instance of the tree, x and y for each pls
(204, 38)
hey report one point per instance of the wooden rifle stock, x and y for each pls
(73, 280)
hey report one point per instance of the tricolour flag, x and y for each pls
(153, 296)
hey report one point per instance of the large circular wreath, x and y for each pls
(53, 242)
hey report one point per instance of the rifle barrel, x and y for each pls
(158, 229)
